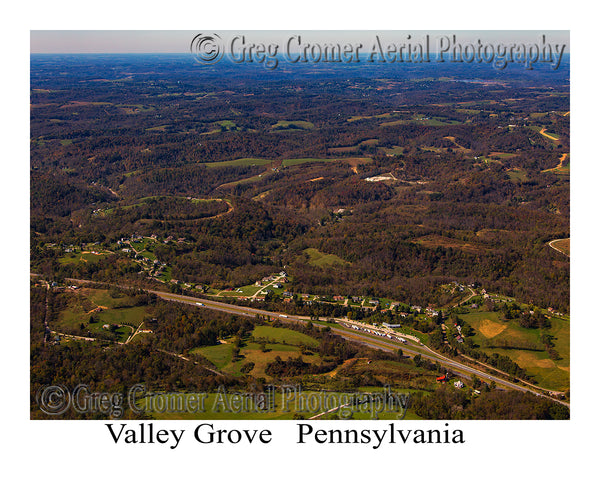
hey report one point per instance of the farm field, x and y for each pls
(523, 345)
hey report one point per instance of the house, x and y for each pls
(443, 378)
(338, 298)
(459, 384)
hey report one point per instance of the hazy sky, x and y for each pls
(178, 41)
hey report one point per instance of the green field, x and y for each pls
(249, 290)
(283, 335)
(240, 162)
(123, 316)
(429, 121)
(280, 342)
(491, 330)
(366, 117)
(86, 257)
(289, 162)
(219, 355)
(293, 125)
(320, 259)
(105, 308)
(106, 298)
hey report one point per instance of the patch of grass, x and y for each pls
(468, 111)
(517, 175)
(105, 299)
(551, 374)
(320, 259)
(284, 335)
(293, 125)
(289, 162)
(83, 257)
(502, 155)
(239, 162)
(395, 150)
(252, 353)
(219, 355)
(249, 290)
(165, 275)
(123, 316)
(159, 128)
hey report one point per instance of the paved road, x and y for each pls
(360, 337)
(355, 336)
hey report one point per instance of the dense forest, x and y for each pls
(386, 183)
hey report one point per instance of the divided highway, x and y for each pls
(360, 337)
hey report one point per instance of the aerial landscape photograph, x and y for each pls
(301, 225)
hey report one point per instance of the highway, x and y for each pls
(365, 338)
(374, 341)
